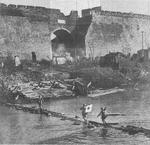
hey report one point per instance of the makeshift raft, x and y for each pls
(131, 130)
(35, 110)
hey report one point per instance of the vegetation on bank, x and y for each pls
(129, 72)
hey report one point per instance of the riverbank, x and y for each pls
(55, 82)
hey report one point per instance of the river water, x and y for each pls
(17, 127)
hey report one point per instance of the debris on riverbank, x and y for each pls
(57, 82)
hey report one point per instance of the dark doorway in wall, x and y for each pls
(63, 43)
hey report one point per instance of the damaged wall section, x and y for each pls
(79, 34)
(117, 33)
(71, 42)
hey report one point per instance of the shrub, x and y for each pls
(9, 66)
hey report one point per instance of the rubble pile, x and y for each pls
(47, 89)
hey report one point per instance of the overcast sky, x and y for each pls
(136, 6)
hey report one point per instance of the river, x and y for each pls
(17, 127)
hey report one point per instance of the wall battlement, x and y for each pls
(37, 13)
(85, 12)
(98, 10)
(5, 7)
(120, 14)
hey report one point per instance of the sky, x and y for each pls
(135, 6)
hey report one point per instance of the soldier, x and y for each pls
(84, 113)
(40, 103)
(33, 57)
(103, 115)
(18, 63)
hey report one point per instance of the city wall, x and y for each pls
(24, 29)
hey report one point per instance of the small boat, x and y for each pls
(97, 93)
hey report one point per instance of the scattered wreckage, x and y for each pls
(48, 89)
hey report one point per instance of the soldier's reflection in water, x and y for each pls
(85, 130)
(40, 119)
(103, 132)
(88, 129)
(40, 122)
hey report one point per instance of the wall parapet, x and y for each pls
(121, 14)
(27, 10)
(28, 7)
(40, 13)
(98, 10)
(2, 5)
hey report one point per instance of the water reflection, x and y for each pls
(85, 130)
(104, 132)
(15, 129)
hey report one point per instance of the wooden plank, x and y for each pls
(104, 92)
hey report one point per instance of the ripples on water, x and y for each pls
(19, 127)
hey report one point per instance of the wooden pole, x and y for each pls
(142, 40)
(88, 4)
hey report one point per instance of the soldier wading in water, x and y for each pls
(103, 115)
(40, 103)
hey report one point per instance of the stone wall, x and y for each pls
(113, 32)
(20, 37)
